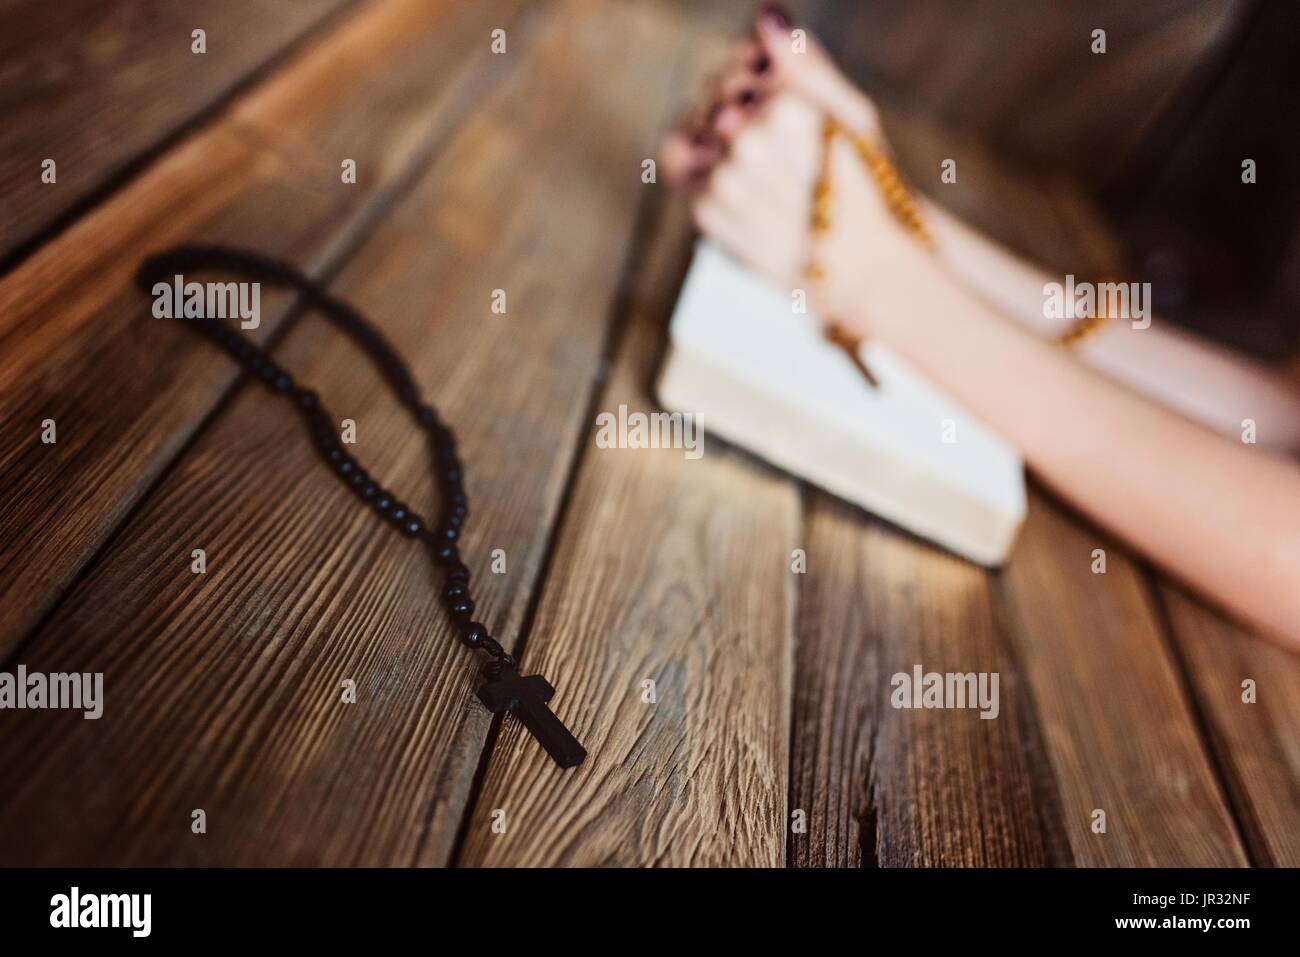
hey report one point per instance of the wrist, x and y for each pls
(871, 287)
(856, 113)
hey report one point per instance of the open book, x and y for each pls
(761, 375)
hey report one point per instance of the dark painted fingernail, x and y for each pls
(775, 14)
(705, 138)
(747, 98)
(762, 64)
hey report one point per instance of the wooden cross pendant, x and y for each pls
(526, 696)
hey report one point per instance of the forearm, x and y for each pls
(1223, 519)
(1202, 381)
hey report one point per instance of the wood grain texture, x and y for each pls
(1115, 717)
(670, 571)
(224, 689)
(1253, 747)
(94, 86)
(906, 787)
(1257, 745)
(521, 173)
(78, 343)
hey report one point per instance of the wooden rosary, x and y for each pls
(504, 689)
(902, 204)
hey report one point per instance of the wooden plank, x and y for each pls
(77, 341)
(891, 787)
(907, 787)
(1257, 745)
(669, 571)
(1117, 724)
(1173, 808)
(1254, 747)
(95, 86)
(228, 684)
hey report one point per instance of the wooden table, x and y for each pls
(769, 740)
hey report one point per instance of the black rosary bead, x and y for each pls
(369, 489)
(322, 428)
(307, 399)
(462, 608)
(412, 526)
(384, 502)
(474, 634)
(345, 467)
(454, 590)
(282, 382)
(447, 533)
(457, 572)
(445, 553)
(398, 514)
(335, 455)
